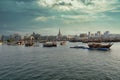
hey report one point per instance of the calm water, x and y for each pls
(60, 63)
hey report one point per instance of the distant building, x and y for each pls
(83, 35)
(15, 37)
(92, 35)
(98, 33)
(26, 37)
(36, 36)
(106, 33)
(4, 38)
(59, 35)
(70, 36)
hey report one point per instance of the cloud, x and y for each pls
(68, 19)
(115, 11)
(86, 6)
(43, 18)
(78, 18)
(82, 10)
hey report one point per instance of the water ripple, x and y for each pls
(61, 63)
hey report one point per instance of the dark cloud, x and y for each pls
(87, 2)
(62, 4)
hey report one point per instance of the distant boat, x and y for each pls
(50, 44)
(20, 43)
(29, 43)
(100, 45)
(62, 42)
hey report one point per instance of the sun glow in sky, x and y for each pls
(71, 16)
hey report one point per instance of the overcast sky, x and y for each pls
(71, 16)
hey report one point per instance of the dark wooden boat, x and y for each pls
(50, 44)
(62, 42)
(28, 44)
(100, 45)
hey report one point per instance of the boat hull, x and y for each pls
(83, 47)
(101, 49)
(50, 44)
(28, 44)
(98, 45)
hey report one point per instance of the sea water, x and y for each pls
(59, 63)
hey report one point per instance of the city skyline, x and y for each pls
(48, 16)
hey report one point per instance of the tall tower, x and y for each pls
(59, 33)
(59, 36)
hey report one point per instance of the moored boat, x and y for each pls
(100, 45)
(29, 43)
(50, 44)
(62, 42)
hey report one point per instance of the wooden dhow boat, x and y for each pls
(62, 42)
(100, 45)
(50, 44)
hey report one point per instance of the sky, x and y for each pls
(48, 16)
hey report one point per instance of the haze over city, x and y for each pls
(48, 16)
